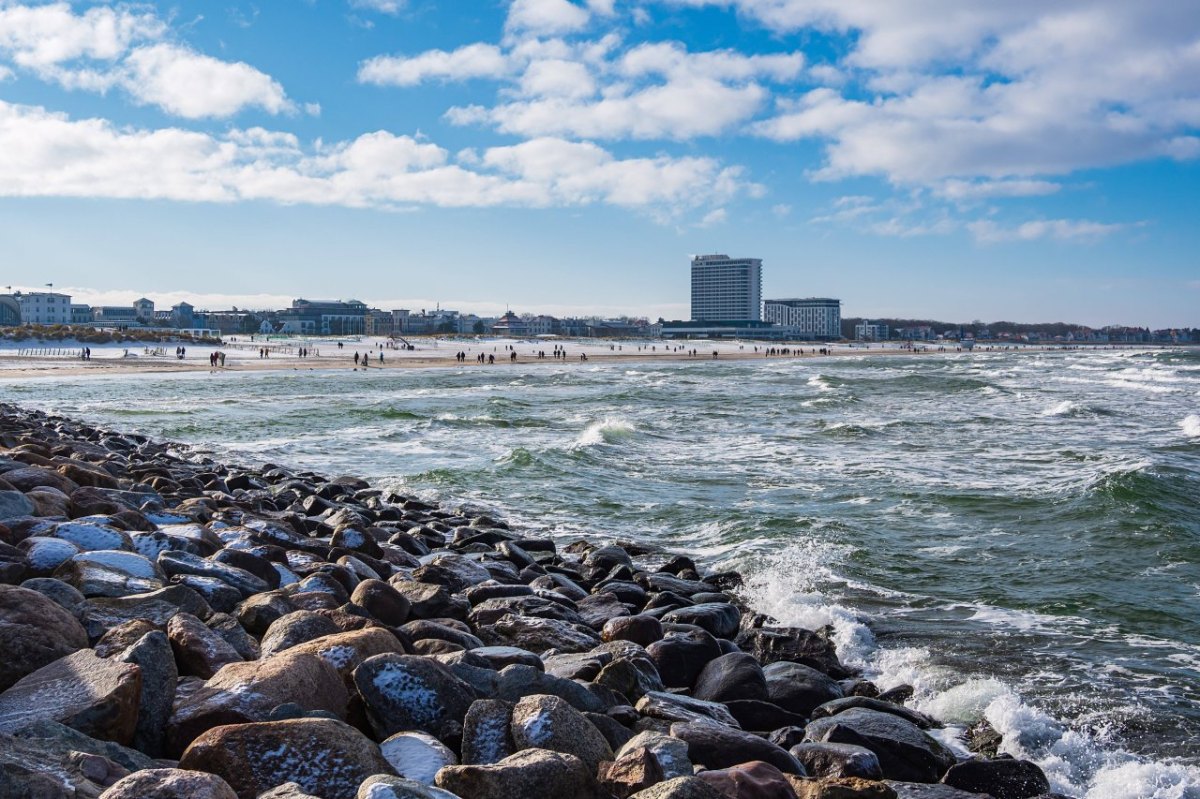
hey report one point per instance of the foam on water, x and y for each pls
(610, 430)
(1191, 425)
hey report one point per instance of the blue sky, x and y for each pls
(957, 159)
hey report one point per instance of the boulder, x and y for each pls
(199, 651)
(645, 760)
(677, 707)
(733, 676)
(680, 788)
(530, 773)
(838, 760)
(547, 722)
(539, 635)
(93, 537)
(922, 790)
(833, 707)
(34, 631)
(681, 656)
(641, 629)
(408, 692)
(247, 692)
(382, 601)
(1003, 778)
(799, 688)
(259, 612)
(345, 651)
(381, 786)
(792, 645)
(294, 628)
(156, 607)
(324, 757)
(721, 619)
(905, 752)
(487, 737)
(170, 783)
(44, 554)
(417, 756)
(98, 697)
(715, 747)
(843, 788)
(520, 680)
(753, 780)
(14, 504)
(152, 654)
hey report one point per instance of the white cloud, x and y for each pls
(546, 17)
(123, 47)
(192, 85)
(965, 190)
(716, 216)
(392, 7)
(470, 61)
(989, 232)
(48, 154)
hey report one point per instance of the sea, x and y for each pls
(1015, 534)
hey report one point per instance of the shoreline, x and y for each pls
(275, 597)
(15, 367)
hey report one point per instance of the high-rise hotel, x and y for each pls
(726, 289)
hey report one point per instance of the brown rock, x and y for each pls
(324, 757)
(123, 636)
(92, 476)
(98, 697)
(841, 788)
(248, 692)
(753, 780)
(170, 783)
(31, 477)
(199, 651)
(531, 773)
(344, 651)
(34, 631)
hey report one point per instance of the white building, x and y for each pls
(871, 331)
(726, 289)
(810, 317)
(44, 307)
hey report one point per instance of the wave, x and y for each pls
(610, 430)
(1191, 425)
(1075, 410)
(788, 586)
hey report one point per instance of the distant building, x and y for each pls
(812, 317)
(726, 289)
(378, 323)
(183, 315)
(44, 307)
(747, 329)
(324, 317)
(869, 331)
(115, 315)
(541, 325)
(10, 311)
(510, 325)
(143, 309)
(81, 315)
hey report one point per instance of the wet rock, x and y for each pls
(838, 760)
(905, 752)
(799, 688)
(763, 716)
(498, 657)
(170, 783)
(832, 708)
(714, 746)
(919, 790)
(259, 612)
(296, 628)
(345, 651)
(753, 780)
(44, 554)
(645, 760)
(680, 788)
(633, 678)
(843, 788)
(681, 656)
(719, 618)
(14, 504)
(382, 601)
(247, 692)
(324, 757)
(199, 651)
(677, 707)
(152, 654)
(109, 573)
(539, 635)
(531, 773)
(157, 607)
(517, 681)
(380, 786)
(175, 562)
(487, 737)
(792, 645)
(235, 635)
(406, 692)
(417, 755)
(547, 722)
(34, 631)
(1003, 778)
(31, 477)
(733, 676)
(98, 697)
(429, 601)
(92, 537)
(640, 629)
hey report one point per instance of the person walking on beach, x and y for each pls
(356, 359)
(381, 357)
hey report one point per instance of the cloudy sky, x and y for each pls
(958, 159)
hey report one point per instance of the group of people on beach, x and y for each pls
(85, 354)
(216, 358)
(365, 359)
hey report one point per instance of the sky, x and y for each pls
(948, 159)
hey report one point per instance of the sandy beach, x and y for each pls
(61, 359)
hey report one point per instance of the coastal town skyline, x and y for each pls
(933, 159)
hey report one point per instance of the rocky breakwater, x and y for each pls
(175, 627)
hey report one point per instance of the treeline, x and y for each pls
(1049, 329)
(87, 335)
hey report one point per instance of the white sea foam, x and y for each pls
(1064, 408)
(788, 587)
(610, 430)
(1191, 425)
